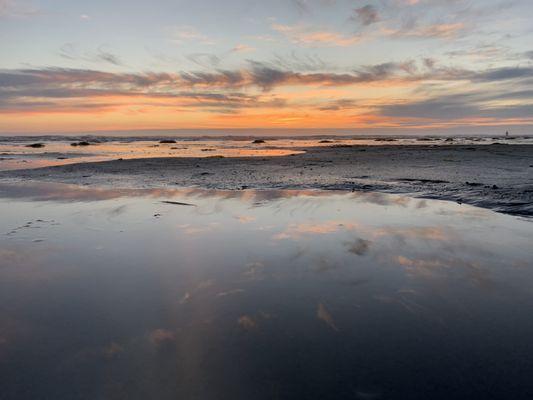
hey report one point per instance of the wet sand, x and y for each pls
(499, 177)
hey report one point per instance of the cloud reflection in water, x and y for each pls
(257, 294)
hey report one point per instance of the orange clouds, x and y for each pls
(262, 95)
(309, 37)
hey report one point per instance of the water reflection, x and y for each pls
(21, 152)
(113, 293)
(16, 154)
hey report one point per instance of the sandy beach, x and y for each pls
(266, 200)
(499, 177)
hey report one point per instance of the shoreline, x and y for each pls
(497, 177)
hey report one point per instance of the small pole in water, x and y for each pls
(506, 133)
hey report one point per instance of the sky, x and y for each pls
(406, 66)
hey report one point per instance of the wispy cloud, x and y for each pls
(310, 37)
(301, 5)
(440, 30)
(301, 62)
(242, 48)
(184, 34)
(366, 15)
(261, 75)
(17, 9)
(70, 51)
(206, 60)
(486, 104)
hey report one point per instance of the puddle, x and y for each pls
(198, 294)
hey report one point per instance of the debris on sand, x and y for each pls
(161, 336)
(246, 322)
(258, 141)
(324, 315)
(359, 247)
(368, 395)
(167, 141)
(178, 203)
(35, 145)
(230, 292)
(185, 299)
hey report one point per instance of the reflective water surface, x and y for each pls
(195, 294)
(17, 154)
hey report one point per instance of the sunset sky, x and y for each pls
(368, 66)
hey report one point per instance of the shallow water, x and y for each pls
(115, 293)
(15, 153)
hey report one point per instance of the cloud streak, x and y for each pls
(70, 52)
(315, 38)
(366, 15)
(17, 9)
(505, 92)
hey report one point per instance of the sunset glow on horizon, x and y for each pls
(387, 65)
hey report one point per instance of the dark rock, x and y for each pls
(178, 203)
(167, 141)
(35, 145)
(258, 141)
